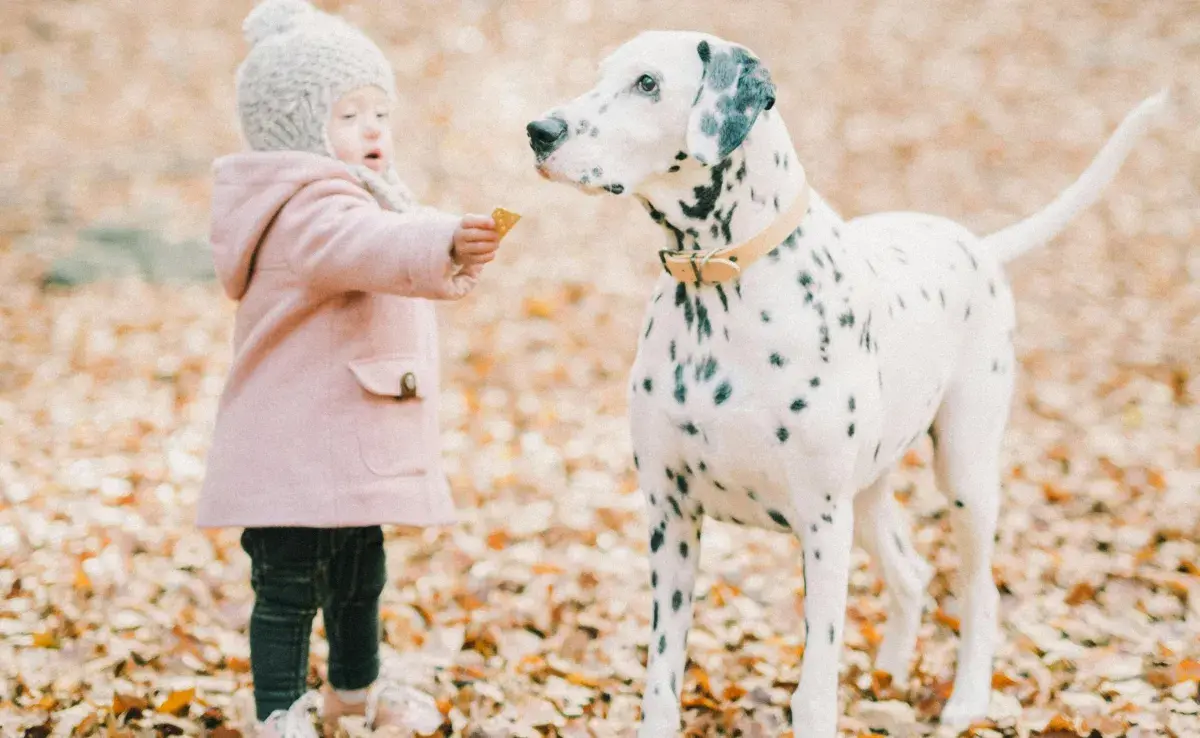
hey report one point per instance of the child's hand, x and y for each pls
(475, 241)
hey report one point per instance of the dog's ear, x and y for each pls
(734, 89)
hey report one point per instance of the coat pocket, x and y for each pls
(394, 428)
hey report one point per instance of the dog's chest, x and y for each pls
(732, 380)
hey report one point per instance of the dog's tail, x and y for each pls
(1039, 228)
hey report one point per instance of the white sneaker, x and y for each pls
(298, 721)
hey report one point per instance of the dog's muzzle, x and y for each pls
(546, 135)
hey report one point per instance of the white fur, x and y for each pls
(781, 400)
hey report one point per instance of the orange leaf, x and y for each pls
(1061, 726)
(733, 693)
(1187, 670)
(1001, 681)
(1059, 453)
(538, 307)
(870, 634)
(238, 665)
(1156, 479)
(1054, 494)
(1081, 593)
(583, 680)
(944, 618)
(82, 582)
(881, 682)
(546, 569)
(700, 700)
(177, 701)
(497, 540)
(123, 703)
(45, 639)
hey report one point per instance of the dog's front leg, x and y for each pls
(674, 556)
(827, 532)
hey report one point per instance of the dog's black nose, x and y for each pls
(545, 135)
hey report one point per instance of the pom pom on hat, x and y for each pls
(272, 17)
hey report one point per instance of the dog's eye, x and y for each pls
(647, 84)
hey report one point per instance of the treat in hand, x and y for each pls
(505, 220)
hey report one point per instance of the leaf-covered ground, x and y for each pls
(117, 617)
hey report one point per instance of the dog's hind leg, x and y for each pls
(970, 426)
(884, 534)
(674, 558)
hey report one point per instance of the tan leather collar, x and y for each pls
(722, 264)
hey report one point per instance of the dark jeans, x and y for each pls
(295, 571)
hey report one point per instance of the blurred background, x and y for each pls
(117, 617)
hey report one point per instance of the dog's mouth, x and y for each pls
(373, 155)
(584, 183)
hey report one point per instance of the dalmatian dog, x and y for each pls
(778, 391)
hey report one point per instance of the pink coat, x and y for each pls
(329, 416)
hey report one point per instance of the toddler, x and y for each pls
(328, 423)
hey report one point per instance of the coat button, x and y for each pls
(408, 385)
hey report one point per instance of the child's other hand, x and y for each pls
(475, 241)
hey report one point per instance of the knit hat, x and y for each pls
(301, 62)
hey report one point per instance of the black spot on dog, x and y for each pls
(662, 644)
(703, 326)
(782, 434)
(831, 634)
(766, 317)
(690, 429)
(680, 388)
(777, 360)
(681, 484)
(959, 504)
(850, 431)
(722, 393)
(779, 519)
(677, 600)
(706, 195)
(815, 382)
(723, 298)
(656, 540)
(616, 189)
(798, 404)
(683, 549)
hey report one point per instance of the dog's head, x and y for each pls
(662, 97)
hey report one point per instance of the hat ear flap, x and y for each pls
(734, 89)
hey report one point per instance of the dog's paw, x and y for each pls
(658, 729)
(660, 715)
(965, 708)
